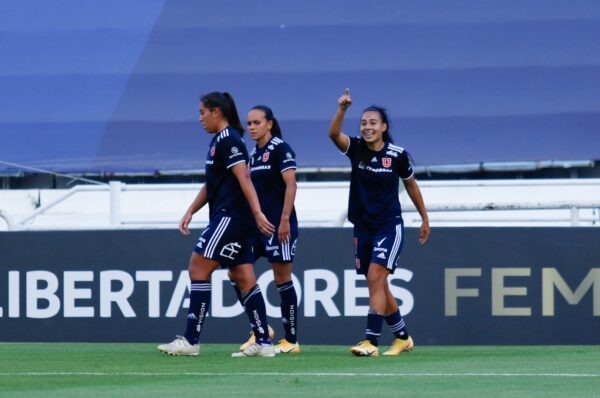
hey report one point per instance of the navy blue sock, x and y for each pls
(374, 324)
(254, 304)
(289, 313)
(397, 325)
(238, 292)
(199, 303)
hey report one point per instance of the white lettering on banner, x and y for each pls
(353, 292)
(72, 293)
(14, 294)
(48, 293)
(179, 299)
(218, 309)
(119, 297)
(325, 297)
(154, 278)
(115, 288)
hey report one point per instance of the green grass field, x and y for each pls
(139, 370)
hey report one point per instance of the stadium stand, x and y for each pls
(112, 87)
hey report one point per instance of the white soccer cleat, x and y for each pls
(180, 346)
(256, 350)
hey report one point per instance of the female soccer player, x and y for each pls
(234, 214)
(273, 173)
(374, 210)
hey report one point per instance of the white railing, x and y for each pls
(323, 204)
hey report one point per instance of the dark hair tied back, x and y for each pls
(275, 129)
(224, 102)
(384, 118)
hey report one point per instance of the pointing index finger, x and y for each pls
(347, 92)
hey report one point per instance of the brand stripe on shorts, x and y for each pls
(395, 247)
(214, 240)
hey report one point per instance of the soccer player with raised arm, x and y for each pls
(273, 173)
(234, 215)
(374, 210)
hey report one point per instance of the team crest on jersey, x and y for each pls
(212, 151)
(265, 157)
(387, 162)
(234, 150)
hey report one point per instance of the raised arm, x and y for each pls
(341, 140)
(240, 171)
(196, 205)
(412, 188)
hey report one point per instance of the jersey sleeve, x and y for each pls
(286, 157)
(405, 169)
(353, 144)
(232, 151)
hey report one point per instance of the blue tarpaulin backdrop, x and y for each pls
(113, 86)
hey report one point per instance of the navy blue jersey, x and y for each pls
(374, 184)
(266, 166)
(224, 193)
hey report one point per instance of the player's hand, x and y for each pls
(284, 231)
(185, 221)
(264, 226)
(425, 232)
(345, 101)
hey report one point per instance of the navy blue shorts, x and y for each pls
(227, 240)
(274, 250)
(381, 247)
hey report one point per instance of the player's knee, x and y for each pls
(377, 276)
(282, 273)
(243, 276)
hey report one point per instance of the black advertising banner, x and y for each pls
(465, 286)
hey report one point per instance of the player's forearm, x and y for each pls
(250, 193)
(288, 201)
(335, 128)
(412, 188)
(199, 201)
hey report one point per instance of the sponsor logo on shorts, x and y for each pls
(230, 250)
(293, 249)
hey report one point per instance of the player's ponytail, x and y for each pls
(384, 119)
(232, 117)
(224, 102)
(275, 129)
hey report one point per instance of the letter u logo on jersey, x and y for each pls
(265, 157)
(387, 162)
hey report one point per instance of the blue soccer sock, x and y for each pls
(374, 324)
(397, 325)
(254, 304)
(238, 292)
(289, 313)
(199, 303)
